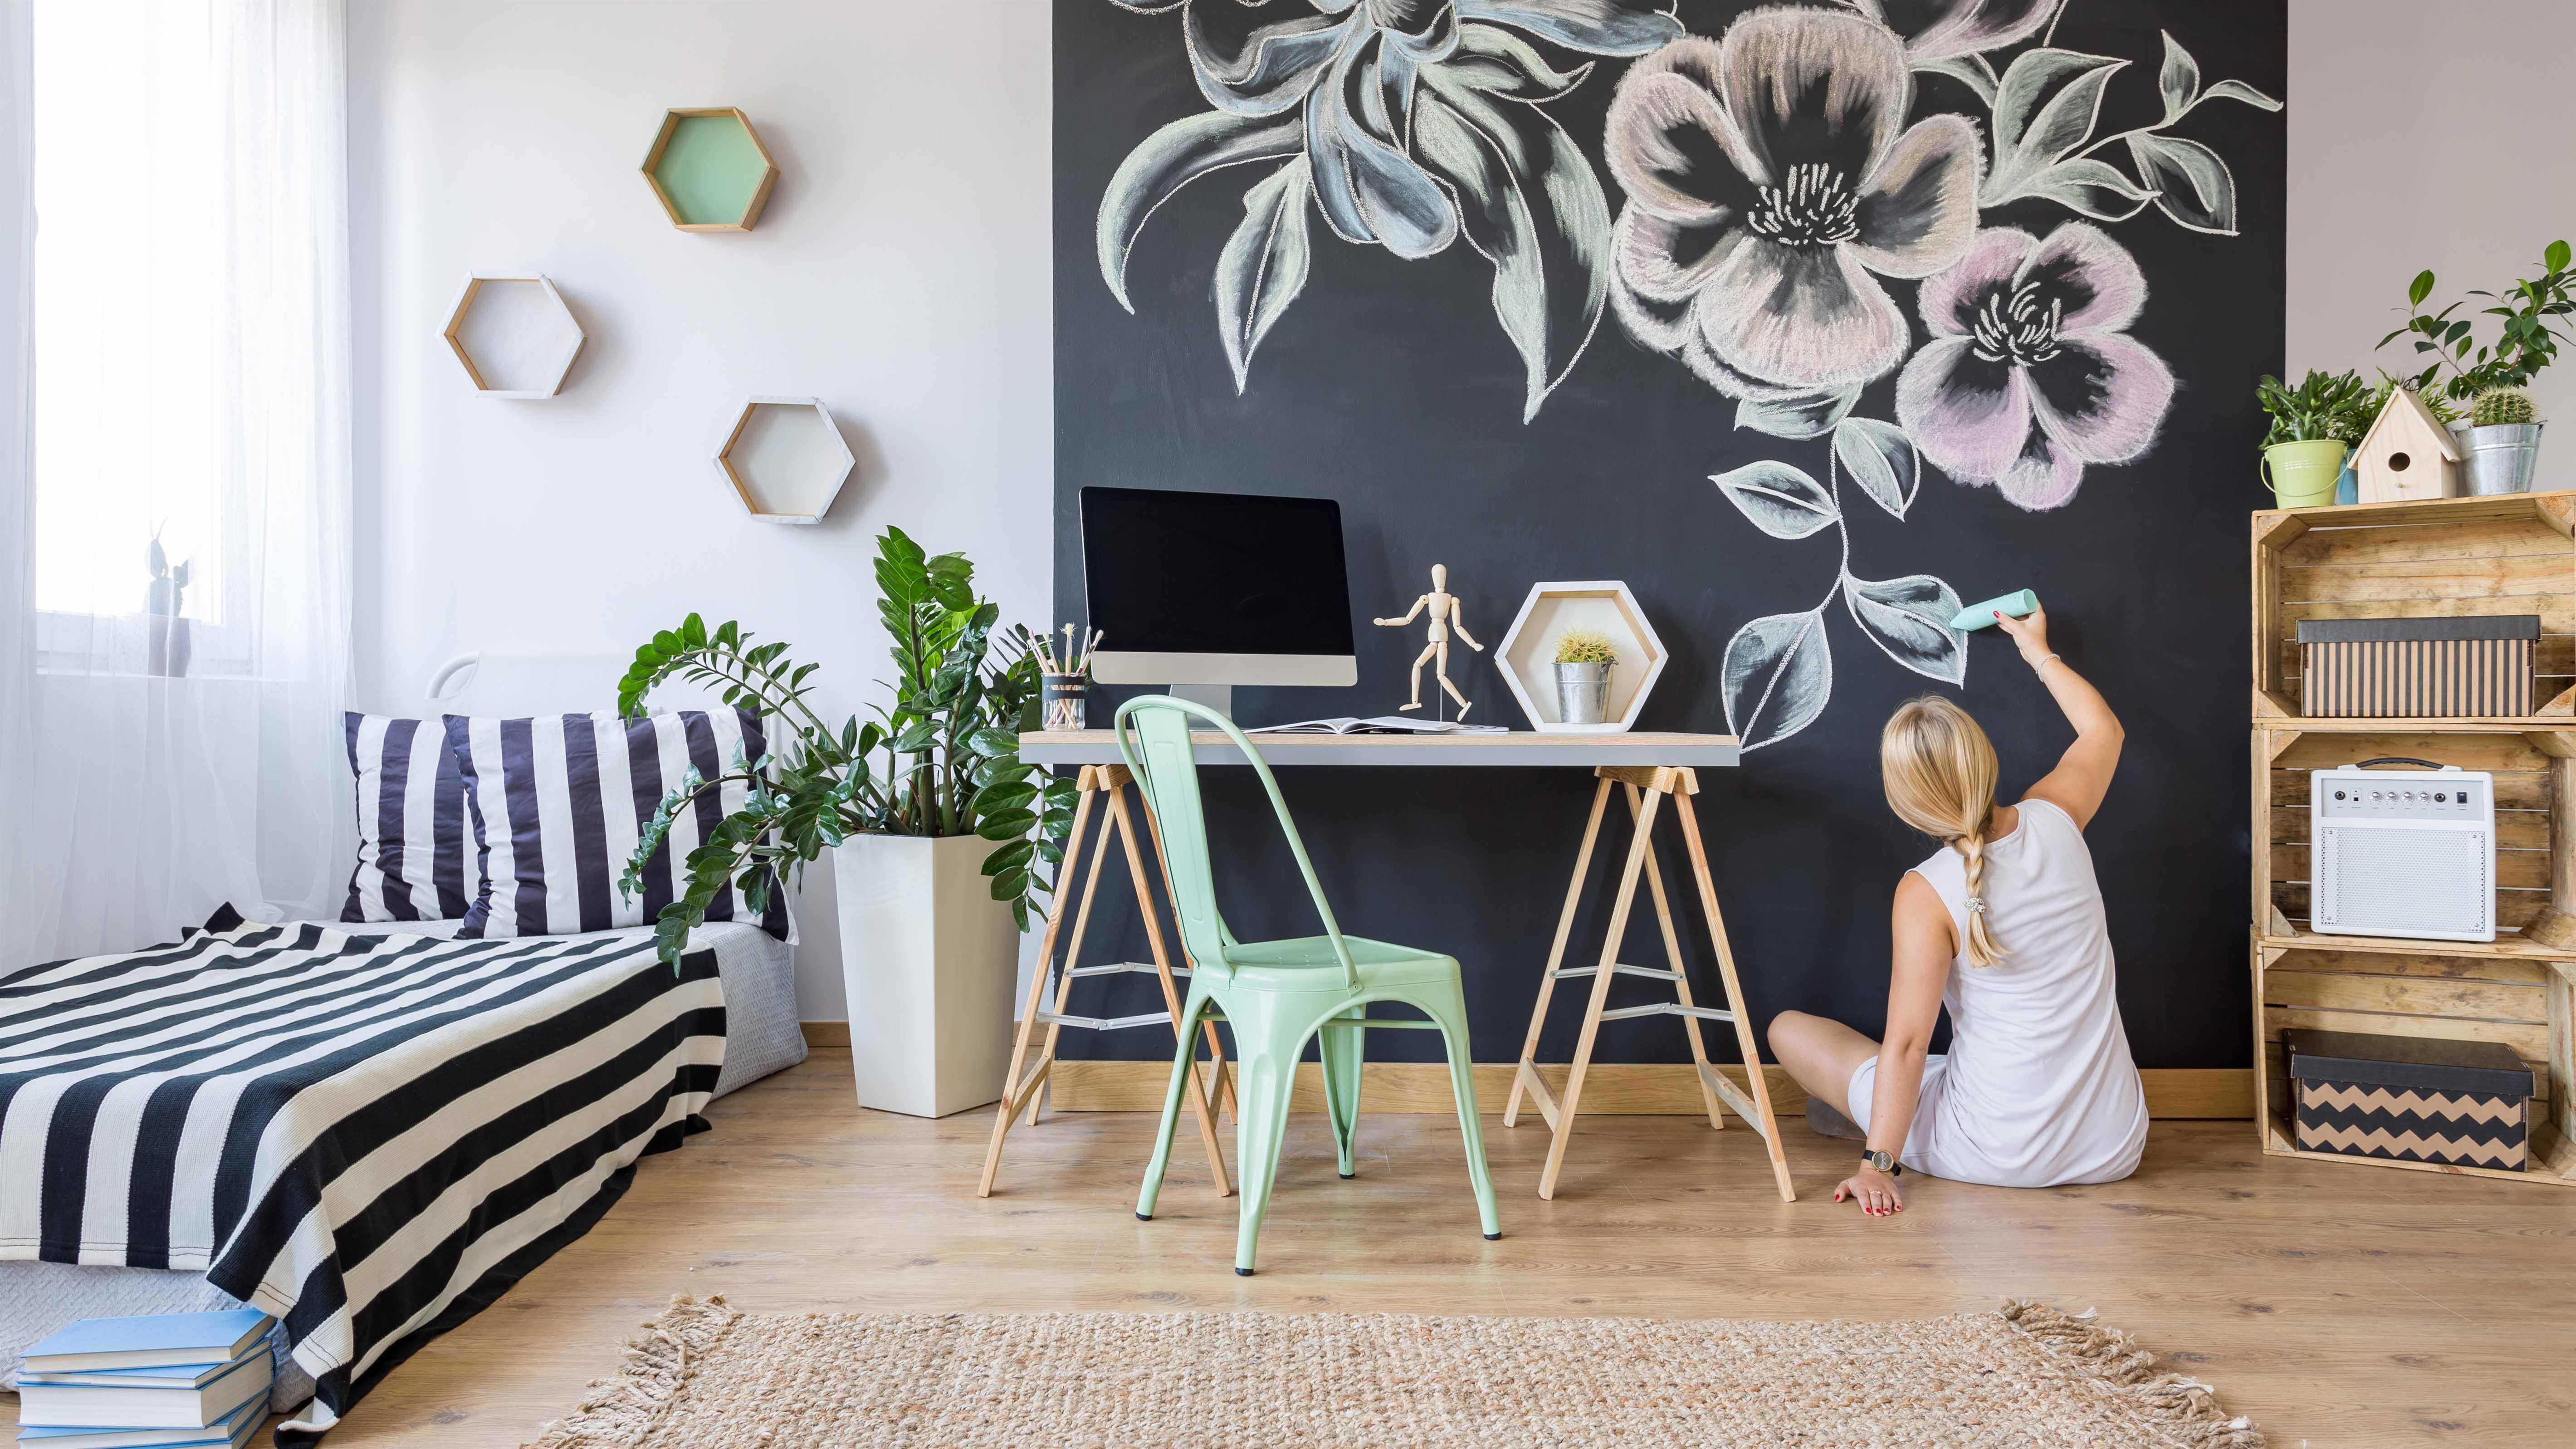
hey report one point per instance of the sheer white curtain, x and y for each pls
(179, 646)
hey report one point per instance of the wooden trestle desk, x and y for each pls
(1649, 768)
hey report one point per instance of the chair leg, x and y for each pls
(1265, 1075)
(1180, 1082)
(1451, 1013)
(1343, 1056)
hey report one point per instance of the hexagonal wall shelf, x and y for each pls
(709, 169)
(514, 336)
(1528, 652)
(786, 459)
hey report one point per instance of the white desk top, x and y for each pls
(1520, 747)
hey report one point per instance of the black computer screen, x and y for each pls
(1214, 573)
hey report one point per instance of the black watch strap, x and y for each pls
(1884, 1161)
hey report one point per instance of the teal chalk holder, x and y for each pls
(2021, 604)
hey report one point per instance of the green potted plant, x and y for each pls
(2500, 438)
(2313, 427)
(1584, 659)
(936, 827)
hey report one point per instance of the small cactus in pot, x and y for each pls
(1584, 659)
(2501, 441)
(2503, 407)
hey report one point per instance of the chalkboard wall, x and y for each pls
(1883, 304)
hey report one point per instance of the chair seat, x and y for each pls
(1284, 965)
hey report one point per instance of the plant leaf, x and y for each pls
(2236, 90)
(1910, 619)
(2045, 107)
(1170, 159)
(2091, 188)
(2179, 80)
(1811, 416)
(1778, 675)
(1497, 62)
(1879, 458)
(1529, 203)
(1972, 71)
(1263, 266)
(2192, 185)
(1781, 500)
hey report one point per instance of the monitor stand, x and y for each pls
(1218, 697)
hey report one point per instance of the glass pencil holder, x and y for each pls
(1067, 700)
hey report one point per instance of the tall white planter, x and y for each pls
(930, 961)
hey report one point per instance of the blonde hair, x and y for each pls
(1938, 769)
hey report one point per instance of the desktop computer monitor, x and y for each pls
(1203, 591)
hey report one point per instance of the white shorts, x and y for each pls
(1864, 1083)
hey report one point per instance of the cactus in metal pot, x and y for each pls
(2503, 405)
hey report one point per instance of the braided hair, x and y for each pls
(1938, 769)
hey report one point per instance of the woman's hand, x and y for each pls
(2029, 633)
(1874, 1190)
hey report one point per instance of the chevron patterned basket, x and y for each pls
(2413, 1099)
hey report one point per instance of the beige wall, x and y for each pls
(2425, 136)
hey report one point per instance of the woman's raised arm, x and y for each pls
(2083, 773)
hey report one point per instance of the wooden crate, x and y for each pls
(2519, 989)
(2441, 557)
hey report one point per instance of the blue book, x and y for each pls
(155, 1342)
(168, 1376)
(179, 1406)
(231, 1433)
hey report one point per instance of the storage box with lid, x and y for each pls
(2413, 1099)
(2417, 668)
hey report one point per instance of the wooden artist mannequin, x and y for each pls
(1444, 617)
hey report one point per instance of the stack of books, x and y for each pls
(174, 1381)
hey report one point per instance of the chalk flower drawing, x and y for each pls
(1947, 29)
(1769, 174)
(1405, 124)
(2030, 374)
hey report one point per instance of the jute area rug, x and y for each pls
(704, 1376)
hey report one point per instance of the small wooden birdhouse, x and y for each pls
(2407, 454)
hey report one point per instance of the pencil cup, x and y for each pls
(1067, 699)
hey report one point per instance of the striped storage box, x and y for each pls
(2418, 668)
(2413, 1099)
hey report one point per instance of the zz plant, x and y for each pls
(942, 759)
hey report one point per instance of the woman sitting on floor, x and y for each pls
(2004, 926)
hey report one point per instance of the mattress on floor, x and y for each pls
(761, 1037)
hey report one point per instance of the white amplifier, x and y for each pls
(2402, 852)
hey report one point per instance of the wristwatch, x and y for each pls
(1884, 1161)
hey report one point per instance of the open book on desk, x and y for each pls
(1385, 724)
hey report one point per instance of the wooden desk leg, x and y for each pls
(1218, 1084)
(1681, 973)
(1745, 1042)
(1556, 956)
(1642, 847)
(1126, 827)
(1017, 1093)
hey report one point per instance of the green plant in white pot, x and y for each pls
(937, 829)
(2311, 428)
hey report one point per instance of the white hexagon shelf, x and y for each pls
(513, 335)
(709, 170)
(786, 459)
(1528, 652)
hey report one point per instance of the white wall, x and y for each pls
(2424, 136)
(900, 273)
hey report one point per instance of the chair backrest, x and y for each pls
(1154, 739)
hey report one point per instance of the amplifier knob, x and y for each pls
(2439, 797)
(2338, 794)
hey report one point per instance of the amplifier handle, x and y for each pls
(2398, 760)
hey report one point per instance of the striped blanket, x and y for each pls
(370, 1136)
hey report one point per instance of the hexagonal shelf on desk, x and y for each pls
(709, 170)
(786, 459)
(1528, 652)
(514, 336)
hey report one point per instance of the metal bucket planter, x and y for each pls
(1582, 693)
(2500, 458)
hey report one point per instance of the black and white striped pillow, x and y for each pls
(414, 843)
(558, 803)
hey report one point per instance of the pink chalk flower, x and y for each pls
(2030, 374)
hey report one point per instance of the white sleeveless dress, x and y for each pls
(2038, 1087)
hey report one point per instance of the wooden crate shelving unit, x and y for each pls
(2448, 557)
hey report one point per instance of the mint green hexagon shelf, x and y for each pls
(709, 169)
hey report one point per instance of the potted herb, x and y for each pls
(2500, 441)
(936, 827)
(2313, 427)
(1584, 659)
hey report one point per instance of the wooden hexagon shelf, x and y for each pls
(786, 459)
(513, 335)
(1528, 652)
(709, 170)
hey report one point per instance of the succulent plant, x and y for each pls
(2503, 405)
(1585, 646)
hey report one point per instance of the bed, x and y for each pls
(396, 1124)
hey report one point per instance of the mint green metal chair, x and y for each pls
(1276, 994)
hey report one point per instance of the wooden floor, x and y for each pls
(2336, 1305)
